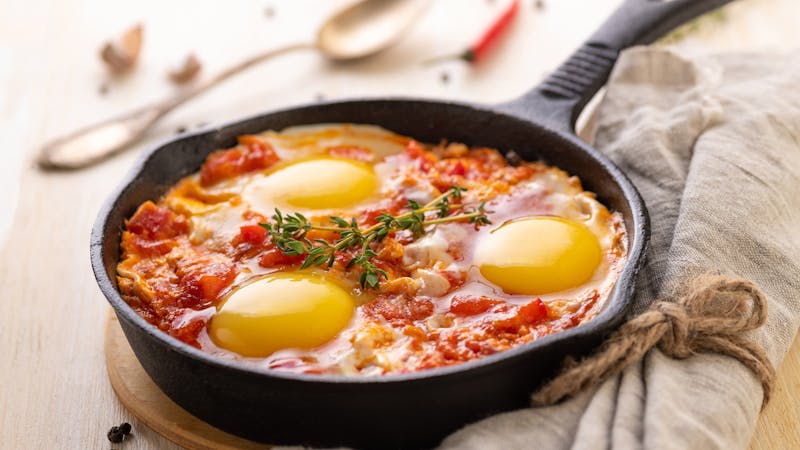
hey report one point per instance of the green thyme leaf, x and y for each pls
(288, 233)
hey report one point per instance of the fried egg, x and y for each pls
(538, 255)
(285, 310)
(317, 183)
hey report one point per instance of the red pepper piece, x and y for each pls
(458, 169)
(399, 309)
(272, 257)
(533, 311)
(203, 281)
(469, 305)
(252, 154)
(153, 222)
(481, 47)
(254, 234)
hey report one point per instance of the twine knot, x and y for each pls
(709, 317)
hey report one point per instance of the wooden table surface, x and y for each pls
(54, 392)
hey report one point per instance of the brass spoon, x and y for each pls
(358, 31)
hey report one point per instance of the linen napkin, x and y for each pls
(713, 144)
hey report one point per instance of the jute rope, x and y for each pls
(710, 316)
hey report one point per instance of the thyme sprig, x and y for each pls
(289, 232)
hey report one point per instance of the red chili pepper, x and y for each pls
(480, 48)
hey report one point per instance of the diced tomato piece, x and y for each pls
(470, 305)
(252, 237)
(204, 281)
(369, 216)
(351, 152)
(253, 153)
(253, 234)
(452, 173)
(390, 206)
(144, 247)
(211, 286)
(533, 312)
(527, 314)
(259, 154)
(152, 222)
(399, 308)
(273, 257)
(458, 169)
(152, 229)
(189, 332)
(220, 165)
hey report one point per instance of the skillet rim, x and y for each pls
(617, 303)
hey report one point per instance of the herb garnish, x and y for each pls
(289, 232)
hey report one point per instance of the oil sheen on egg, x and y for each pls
(538, 255)
(313, 184)
(280, 311)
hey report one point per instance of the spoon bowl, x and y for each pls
(367, 28)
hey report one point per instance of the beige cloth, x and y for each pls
(713, 144)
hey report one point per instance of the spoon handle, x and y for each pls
(97, 142)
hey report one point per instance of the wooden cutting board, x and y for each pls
(144, 399)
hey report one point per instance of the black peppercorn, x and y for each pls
(118, 433)
(115, 435)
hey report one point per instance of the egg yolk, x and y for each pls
(318, 183)
(538, 255)
(287, 310)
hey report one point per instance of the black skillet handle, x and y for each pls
(559, 99)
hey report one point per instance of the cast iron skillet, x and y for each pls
(408, 410)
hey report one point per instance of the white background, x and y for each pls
(53, 388)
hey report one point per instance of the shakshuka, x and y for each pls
(347, 249)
